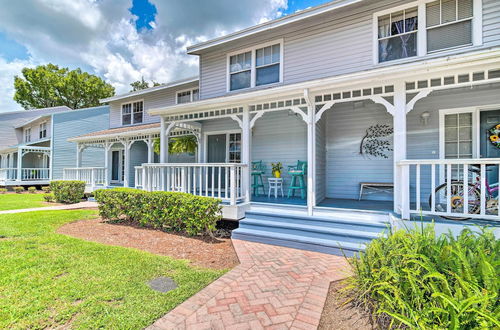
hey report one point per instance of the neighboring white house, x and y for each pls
(328, 85)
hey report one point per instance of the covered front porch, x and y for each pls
(326, 125)
(25, 165)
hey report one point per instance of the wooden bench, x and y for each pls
(375, 187)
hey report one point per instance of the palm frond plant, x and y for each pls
(178, 145)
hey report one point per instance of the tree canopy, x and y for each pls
(142, 84)
(49, 86)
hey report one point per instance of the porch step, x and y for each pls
(334, 235)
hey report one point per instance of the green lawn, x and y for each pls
(49, 280)
(21, 201)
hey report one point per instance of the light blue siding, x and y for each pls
(320, 160)
(138, 156)
(70, 124)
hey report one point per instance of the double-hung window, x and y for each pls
(132, 113)
(27, 135)
(43, 130)
(188, 96)
(261, 65)
(449, 24)
(397, 35)
(426, 27)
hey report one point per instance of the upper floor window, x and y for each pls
(188, 96)
(258, 66)
(43, 130)
(132, 113)
(449, 24)
(445, 24)
(27, 135)
(397, 35)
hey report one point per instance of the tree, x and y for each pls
(142, 84)
(49, 86)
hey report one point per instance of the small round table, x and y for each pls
(275, 184)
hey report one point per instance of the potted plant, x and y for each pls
(276, 169)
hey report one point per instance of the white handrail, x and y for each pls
(8, 174)
(35, 174)
(217, 180)
(436, 187)
(92, 176)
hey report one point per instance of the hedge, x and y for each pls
(168, 211)
(67, 191)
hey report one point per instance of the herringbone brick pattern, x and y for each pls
(273, 288)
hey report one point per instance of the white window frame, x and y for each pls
(477, 30)
(190, 90)
(227, 133)
(253, 68)
(41, 128)
(131, 112)
(27, 134)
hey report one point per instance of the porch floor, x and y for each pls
(350, 204)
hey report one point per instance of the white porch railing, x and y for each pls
(218, 180)
(92, 176)
(436, 187)
(35, 174)
(8, 174)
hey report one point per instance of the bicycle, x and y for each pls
(474, 194)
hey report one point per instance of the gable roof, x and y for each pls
(150, 90)
(269, 25)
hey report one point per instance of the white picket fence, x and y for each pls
(218, 180)
(436, 187)
(94, 177)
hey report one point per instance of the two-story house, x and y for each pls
(34, 147)
(382, 106)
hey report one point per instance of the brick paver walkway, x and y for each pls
(81, 205)
(273, 288)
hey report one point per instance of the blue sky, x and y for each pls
(121, 40)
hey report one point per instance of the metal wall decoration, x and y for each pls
(495, 136)
(376, 142)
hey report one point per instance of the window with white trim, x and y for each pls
(449, 24)
(27, 135)
(132, 113)
(235, 147)
(43, 131)
(188, 96)
(458, 135)
(261, 65)
(397, 35)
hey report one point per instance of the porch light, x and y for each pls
(424, 117)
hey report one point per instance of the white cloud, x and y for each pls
(100, 36)
(8, 70)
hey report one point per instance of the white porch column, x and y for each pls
(107, 169)
(126, 168)
(79, 150)
(311, 159)
(150, 144)
(163, 141)
(399, 122)
(246, 157)
(19, 163)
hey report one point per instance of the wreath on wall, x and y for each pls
(375, 143)
(495, 135)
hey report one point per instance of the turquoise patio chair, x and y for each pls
(258, 169)
(298, 173)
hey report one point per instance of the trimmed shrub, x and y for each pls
(49, 197)
(168, 211)
(46, 189)
(68, 191)
(32, 190)
(3, 190)
(18, 190)
(416, 279)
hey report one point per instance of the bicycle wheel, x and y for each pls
(457, 200)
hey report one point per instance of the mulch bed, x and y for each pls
(200, 251)
(339, 316)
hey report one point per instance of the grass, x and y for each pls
(21, 201)
(48, 280)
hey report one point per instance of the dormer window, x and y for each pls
(187, 96)
(132, 113)
(260, 65)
